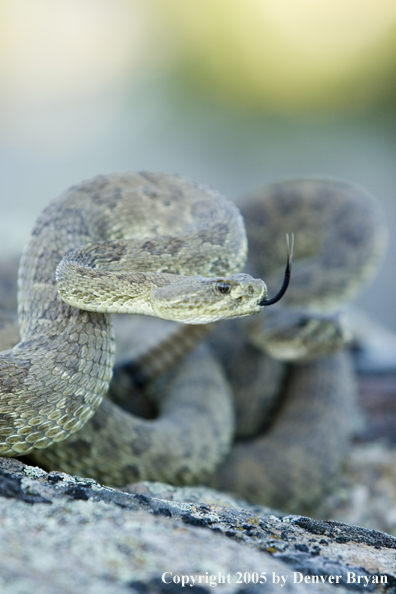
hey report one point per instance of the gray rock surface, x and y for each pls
(64, 534)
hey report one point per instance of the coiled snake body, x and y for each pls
(54, 380)
(124, 241)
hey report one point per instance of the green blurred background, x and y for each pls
(232, 93)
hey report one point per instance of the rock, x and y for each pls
(64, 534)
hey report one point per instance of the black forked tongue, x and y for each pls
(286, 280)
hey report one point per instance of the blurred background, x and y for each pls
(231, 93)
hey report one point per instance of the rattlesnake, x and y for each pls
(122, 243)
(196, 424)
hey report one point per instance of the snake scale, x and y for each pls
(164, 246)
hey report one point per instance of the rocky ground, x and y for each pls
(60, 534)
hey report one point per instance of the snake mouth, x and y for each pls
(286, 279)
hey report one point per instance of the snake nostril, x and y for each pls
(250, 290)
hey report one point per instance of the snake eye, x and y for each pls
(223, 287)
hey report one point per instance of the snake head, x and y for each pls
(200, 300)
